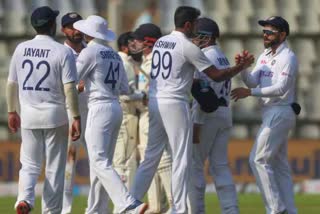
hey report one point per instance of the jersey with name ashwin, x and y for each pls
(40, 67)
(102, 70)
(174, 60)
(274, 77)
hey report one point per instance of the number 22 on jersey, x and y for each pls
(28, 63)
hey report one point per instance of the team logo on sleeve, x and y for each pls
(273, 62)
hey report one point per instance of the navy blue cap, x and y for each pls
(208, 27)
(42, 16)
(70, 18)
(149, 32)
(277, 22)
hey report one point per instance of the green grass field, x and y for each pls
(249, 204)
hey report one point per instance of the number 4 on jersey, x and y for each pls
(110, 78)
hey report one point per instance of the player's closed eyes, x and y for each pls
(269, 32)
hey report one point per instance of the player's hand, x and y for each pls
(13, 121)
(245, 60)
(240, 93)
(81, 86)
(76, 129)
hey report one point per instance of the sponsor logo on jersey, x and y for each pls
(263, 62)
(266, 73)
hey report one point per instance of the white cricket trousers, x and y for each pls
(72, 157)
(269, 159)
(214, 139)
(170, 121)
(103, 124)
(37, 145)
(160, 187)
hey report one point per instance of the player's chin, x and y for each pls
(266, 43)
(77, 39)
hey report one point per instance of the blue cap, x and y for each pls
(70, 18)
(208, 27)
(277, 22)
(42, 16)
(148, 32)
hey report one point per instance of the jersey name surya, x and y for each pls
(36, 52)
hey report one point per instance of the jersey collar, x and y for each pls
(282, 46)
(209, 47)
(97, 41)
(178, 33)
(43, 37)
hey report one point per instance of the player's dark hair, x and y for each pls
(123, 39)
(185, 14)
(45, 29)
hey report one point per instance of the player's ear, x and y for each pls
(187, 25)
(283, 35)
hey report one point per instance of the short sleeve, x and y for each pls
(196, 57)
(69, 71)
(13, 68)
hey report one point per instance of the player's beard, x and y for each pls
(75, 39)
(271, 43)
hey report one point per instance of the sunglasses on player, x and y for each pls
(269, 32)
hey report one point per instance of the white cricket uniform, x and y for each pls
(102, 70)
(73, 147)
(275, 76)
(40, 67)
(214, 136)
(125, 154)
(174, 60)
(160, 188)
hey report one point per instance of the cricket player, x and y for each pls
(212, 130)
(102, 71)
(125, 155)
(145, 37)
(42, 74)
(273, 80)
(174, 59)
(74, 40)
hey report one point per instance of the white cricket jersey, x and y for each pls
(220, 61)
(274, 77)
(174, 60)
(83, 96)
(128, 67)
(143, 81)
(102, 70)
(40, 67)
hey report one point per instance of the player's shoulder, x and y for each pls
(288, 56)
(62, 48)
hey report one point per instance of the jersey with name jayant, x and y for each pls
(174, 60)
(40, 67)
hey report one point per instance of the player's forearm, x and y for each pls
(271, 91)
(72, 98)
(249, 79)
(223, 74)
(12, 96)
